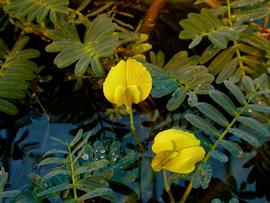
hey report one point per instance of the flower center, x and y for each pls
(127, 95)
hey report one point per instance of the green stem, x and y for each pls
(238, 55)
(129, 110)
(186, 194)
(85, 19)
(73, 174)
(221, 137)
(167, 187)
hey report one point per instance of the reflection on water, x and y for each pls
(23, 140)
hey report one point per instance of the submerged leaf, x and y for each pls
(54, 189)
(96, 193)
(8, 107)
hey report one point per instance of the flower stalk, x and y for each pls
(133, 129)
(167, 187)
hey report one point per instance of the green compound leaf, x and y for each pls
(252, 14)
(251, 139)
(216, 200)
(243, 3)
(16, 72)
(232, 147)
(177, 99)
(227, 71)
(52, 160)
(236, 91)
(39, 10)
(77, 138)
(253, 40)
(98, 42)
(54, 151)
(98, 192)
(202, 125)
(218, 155)
(9, 194)
(203, 176)
(259, 108)
(54, 189)
(248, 84)
(221, 60)
(8, 107)
(55, 172)
(212, 113)
(182, 77)
(196, 26)
(254, 124)
(88, 168)
(208, 54)
(224, 101)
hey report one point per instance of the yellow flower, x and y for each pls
(128, 82)
(176, 151)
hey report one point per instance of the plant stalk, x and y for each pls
(73, 175)
(186, 194)
(167, 187)
(238, 55)
(132, 127)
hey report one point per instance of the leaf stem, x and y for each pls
(167, 187)
(85, 21)
(186, 194)
(216, 144)
(73, 174)
(238, 55)
(132, 127)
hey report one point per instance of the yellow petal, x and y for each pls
(119, 95)
(161, 158)
(138, 75)
(185, 160)
(174, 139)
(135, 93)
(127, 82)
(116, 77)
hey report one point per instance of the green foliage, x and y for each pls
(119, 161)
(223, 90)
(36, 10)
(233, 200)
(227, 64)
(15, 73)
(3, 181)
(181, 76)
(73, 175)
(248, 51)
(98, 42)
(216, 125)
(207, 24)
